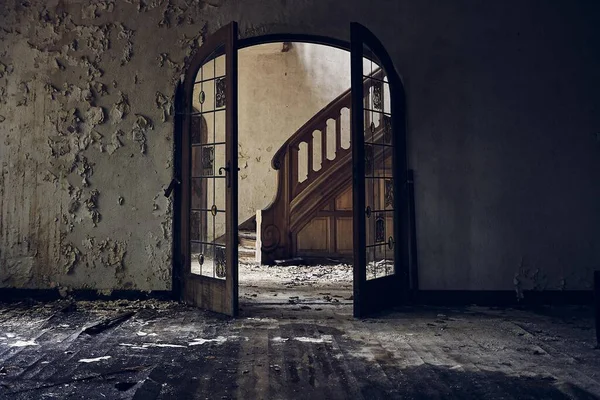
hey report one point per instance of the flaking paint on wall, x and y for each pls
(89, 131)
(501, 115)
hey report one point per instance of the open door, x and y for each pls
(209, 180)
(380, 203)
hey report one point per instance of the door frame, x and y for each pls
(220, 295)
(371, 296)
(179, 105)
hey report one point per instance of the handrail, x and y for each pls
(293, 202)
(343, 100)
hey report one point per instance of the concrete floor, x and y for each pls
(295, 342)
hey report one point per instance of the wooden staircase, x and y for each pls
(308, 195)
(247, 245)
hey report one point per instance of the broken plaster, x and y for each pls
(76, 63)
(71, 255)
(164, 104)
(120, 109)
(94, 116)
(138, 132)
(115, 142)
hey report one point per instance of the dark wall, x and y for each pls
(503, 130)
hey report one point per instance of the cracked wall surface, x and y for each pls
(502, 109)
(87, 140)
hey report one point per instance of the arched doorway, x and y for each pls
(207, 234)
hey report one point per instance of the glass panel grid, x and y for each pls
(379, 216)
(209, 183)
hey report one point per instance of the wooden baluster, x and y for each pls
(338, 134)
(323, 146)
(293, 172)
(309, 162)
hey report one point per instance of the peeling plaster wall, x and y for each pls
(503, 122)
(87, 139)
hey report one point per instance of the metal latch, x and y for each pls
(171, 186)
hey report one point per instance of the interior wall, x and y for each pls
(278, 93)
(503, 122)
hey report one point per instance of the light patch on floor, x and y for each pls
(91, 360)
(199, 341)
(322, 339)
(148, 345)
(23, 343)
(140, 333)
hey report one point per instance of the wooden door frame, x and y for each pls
(372, 295)
(210, 293)
(180, 103)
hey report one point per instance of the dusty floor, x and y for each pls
(298, 341)
(308, 284)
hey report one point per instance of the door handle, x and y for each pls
(227, 169)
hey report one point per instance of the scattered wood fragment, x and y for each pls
(108, 323)
(290, 261)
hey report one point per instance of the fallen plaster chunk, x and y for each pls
(217, 340)
(108, 323)
(23, 343)
(91, 360)
(148, 345)
(269, 320)
(140, 333)
(322, 339)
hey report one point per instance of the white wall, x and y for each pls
(279, 92)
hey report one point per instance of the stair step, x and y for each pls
(247, 239)
(245, 251)
(247, 234)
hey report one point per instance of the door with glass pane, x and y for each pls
(379, 177)
(209, 176)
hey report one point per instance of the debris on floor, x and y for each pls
(167, 350)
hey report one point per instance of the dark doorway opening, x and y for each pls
(380, 231)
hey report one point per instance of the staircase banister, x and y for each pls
(317, 121)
